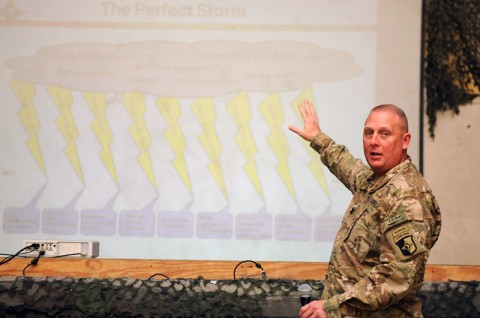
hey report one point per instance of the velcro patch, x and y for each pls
(407, 245)
(400, 232)
(397, 219)
(404, 242)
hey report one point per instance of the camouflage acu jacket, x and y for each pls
(380, 252)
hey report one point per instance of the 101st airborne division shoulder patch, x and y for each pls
(405, 241)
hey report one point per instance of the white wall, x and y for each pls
(451, 167)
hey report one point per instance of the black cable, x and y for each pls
(257, 265)
(28, 265)
(12, 256)
(4, 254)
(34, 261)
(158, 274)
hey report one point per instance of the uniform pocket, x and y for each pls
(359, 248)
(362, 234)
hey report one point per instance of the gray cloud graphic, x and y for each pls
(182, 70)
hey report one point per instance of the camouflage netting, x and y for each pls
(124, 297)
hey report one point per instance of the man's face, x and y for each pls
(385, 141)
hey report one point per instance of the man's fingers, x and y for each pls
(294, 129)
(310, 121)
(306, 109)
(310, 109)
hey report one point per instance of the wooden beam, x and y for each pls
(221, 270)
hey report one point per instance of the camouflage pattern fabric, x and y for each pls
(380, 252)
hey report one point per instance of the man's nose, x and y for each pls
(374, 139)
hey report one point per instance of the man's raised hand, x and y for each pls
(311, 127)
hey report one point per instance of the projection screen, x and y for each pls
(159, 128)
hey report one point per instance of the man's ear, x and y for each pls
(406, 140)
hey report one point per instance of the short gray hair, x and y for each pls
(395, 109)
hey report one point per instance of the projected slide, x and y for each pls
(159, 128)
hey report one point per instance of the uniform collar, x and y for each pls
(376, 183)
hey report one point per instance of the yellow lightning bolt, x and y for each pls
(135, 106)
(28, 116)
(315, 165)
(170, 109)
(272, 112)
(205, 112)
(62, 98)
(239, 110)
(97, 102)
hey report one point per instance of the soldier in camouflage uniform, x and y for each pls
(380, 252)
